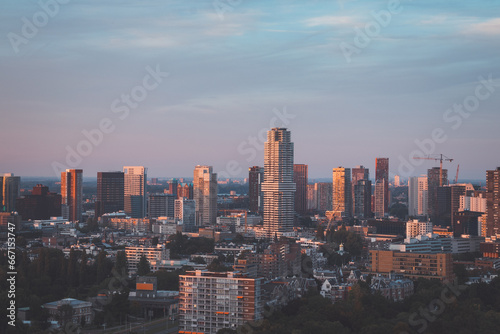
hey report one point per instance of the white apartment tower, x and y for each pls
(278, 186)
(135, 188)
(205, 195)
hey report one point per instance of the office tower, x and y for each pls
(161, 205)
(185, 190)
(492, 226)
(41, 204)
(324, 196)
(173, 187)
(237, 301)
(110, 190)
(432, 192)
(185, 211)
(71, 194)
(363, 199)
(255, 196)
(9, 192)
(135, 184)
(278, 186)
(382, 178)
(397, 181)
(359, 173)
(205, 195)
(342, 193)
(417, 196)
(300, 179)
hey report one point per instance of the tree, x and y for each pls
(143, 267)
(64, 314)
(121, 263)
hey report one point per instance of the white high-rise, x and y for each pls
(417, 196)
(205, 195)
(135, 189)
(278, 186)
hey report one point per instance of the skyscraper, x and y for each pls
(417, 196)
(492, 226)
(300, 179)
(432, 190)
(278, 186)
(41, 204)
(9, 192)
(342, 193)
(172, 187)
(255, 197)
(71, 194)
(185, 211)
(161, 205)
(382, 178)
(205, 195)
(363, 199)
(361, 173)
(135, 184)
(110, 190)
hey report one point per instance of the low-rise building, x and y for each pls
(81, 311)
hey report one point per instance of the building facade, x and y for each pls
(185, 211)
(255, 196)
(278, 186)
(72, 194)
(135, 184)
(9, 192)
(341, 195)
(382, 179)
(210, 301)
(205, 195)
(110, 192)
(492, 225)
(300, 179)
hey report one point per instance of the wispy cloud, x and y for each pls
(331, 21)
(490, 27)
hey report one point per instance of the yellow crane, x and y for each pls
(440, 158)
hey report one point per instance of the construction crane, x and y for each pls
(456, 177)
(440, 158)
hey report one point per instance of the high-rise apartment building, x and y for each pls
(360, 173)
(415, 228)
(278, 186)
(255, 196)
(312, 197)
(185, 211)
(342, 193)
(363, 199)
(324, 196)
(300, 179)
(492, 225)
(161, 205)
(135, 184)
(9, 192)
(433, 184)
(72, 194)
(382, 179)
(110, 190)
(379, 198)
(209, 301)
(417, 196)
(205, 195)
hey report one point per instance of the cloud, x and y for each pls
(490, 27)
(331, 21)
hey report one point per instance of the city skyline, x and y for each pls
(235, 74)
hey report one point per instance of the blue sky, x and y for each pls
(230, 71)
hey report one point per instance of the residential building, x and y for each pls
(363, 199)
(161, 205)
(185, 211)
(415, 228)
(382, 179)
(433, 183)
(492, 224)
(209, 301)
(300, 179)
(278, 186)
(155, 255)
(255, 196)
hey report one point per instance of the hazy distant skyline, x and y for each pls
(230, 73)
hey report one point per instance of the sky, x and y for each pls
(101, 84)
